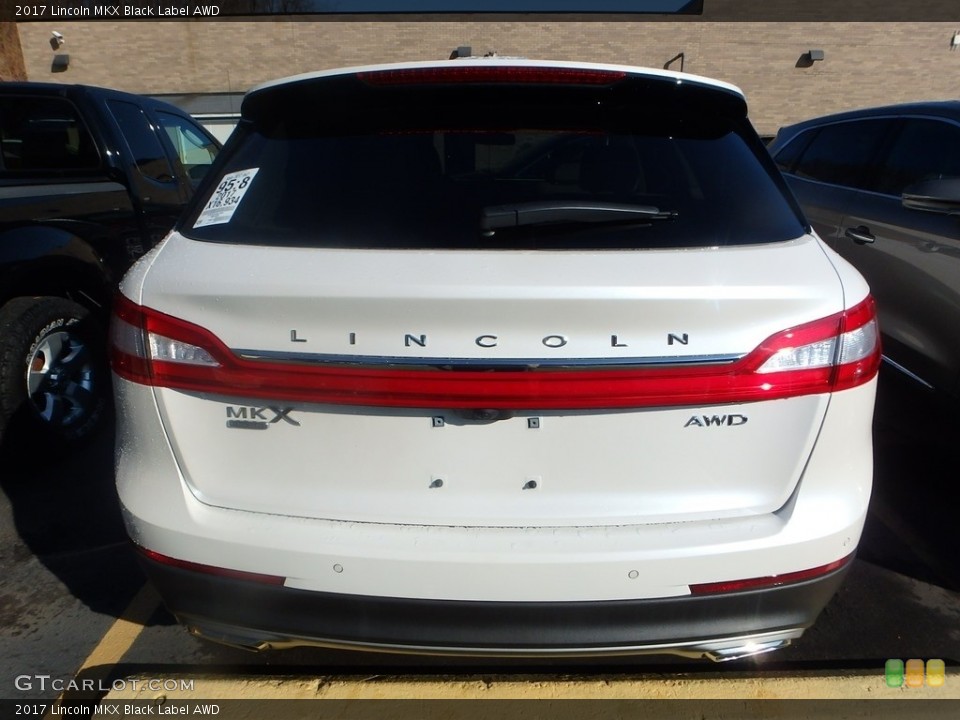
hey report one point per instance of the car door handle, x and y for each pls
(860, 235)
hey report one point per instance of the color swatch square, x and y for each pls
(914, 673)
(893, 672)
(936, 673)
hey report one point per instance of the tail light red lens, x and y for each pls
(209, 569)
(770, 580)
(834, 353)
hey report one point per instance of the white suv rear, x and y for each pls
(495, 356)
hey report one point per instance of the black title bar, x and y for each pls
(499, 10)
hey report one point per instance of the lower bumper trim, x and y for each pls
(718, 650)
(722, 626)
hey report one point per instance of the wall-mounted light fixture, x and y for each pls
(955, 40)
(60, 63)
(56, 40)
(811, 56)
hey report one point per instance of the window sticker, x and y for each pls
(226, 198)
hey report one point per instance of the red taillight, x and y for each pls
(834, 353)
(209, 569)
(460, 74)
(144, 342)
(769, 581)
(845, 345)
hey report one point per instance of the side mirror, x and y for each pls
(941, 196)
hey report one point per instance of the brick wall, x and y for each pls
(865, 63)
(11, 59)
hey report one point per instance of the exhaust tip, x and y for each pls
(747, 649)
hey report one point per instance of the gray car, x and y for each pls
(882, 187)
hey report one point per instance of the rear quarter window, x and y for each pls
(787, 157)
(44, 135)
(147, 152)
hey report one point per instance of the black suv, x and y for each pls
(90, 179)
(882, 187)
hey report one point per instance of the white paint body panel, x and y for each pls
(576, 538)
(821, 522)
(590, 468)
(727, 300)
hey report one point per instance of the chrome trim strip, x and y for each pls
(81, 188)
(448, 363)
(716, 649)
(849, 188)
(902, 369)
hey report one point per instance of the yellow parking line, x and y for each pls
(117, 640)
(124, 632)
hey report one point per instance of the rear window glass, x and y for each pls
(425, 171)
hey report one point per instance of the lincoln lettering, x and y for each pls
(490, 340)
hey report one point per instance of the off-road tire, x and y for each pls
(54, 379)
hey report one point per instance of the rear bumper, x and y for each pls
(498, 590)
(722, 626)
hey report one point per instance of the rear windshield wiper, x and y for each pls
(563, 211)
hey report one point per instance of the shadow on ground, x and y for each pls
(66, 515)
(915, 508)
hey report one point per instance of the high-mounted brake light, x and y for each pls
(834, 353)
(461, 74)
